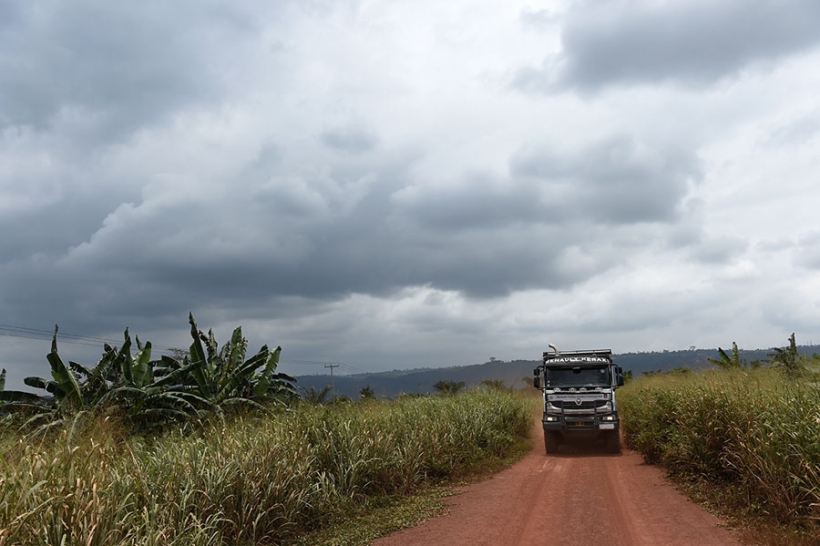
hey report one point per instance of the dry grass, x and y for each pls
(751, 434)
(248, 481)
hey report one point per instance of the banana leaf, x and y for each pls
(20, 396)
(245, 402)
(242, 376)
(166, 365)
(125, 359)
(197, 352)
(234, 352)
(266, 379)
(47, 385)
(176, 376)
(142, 372)
(65, 378)
(79, 368)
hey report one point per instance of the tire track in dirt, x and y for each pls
(576, 497)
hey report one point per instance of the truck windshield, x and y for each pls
(578, 377)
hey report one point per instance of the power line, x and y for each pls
(24, 332)
(34, 333)
(298, 361)
(355, 369)
(322, 363)
(63, 337)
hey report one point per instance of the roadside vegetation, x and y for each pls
(266, 477)
(149, 394)
(746, 436)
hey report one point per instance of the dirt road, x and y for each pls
(576, 497)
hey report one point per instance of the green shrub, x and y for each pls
(753, 429)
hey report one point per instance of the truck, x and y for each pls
(579, 397)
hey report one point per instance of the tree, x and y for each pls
(367, 393)
(493, 384)
(315, 396)
(448, 386)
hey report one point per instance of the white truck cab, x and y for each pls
(579, 397)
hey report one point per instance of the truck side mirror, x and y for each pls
(620, 380)
(536, 382)
(536, 372)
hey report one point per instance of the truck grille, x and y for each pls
(580, 424)
(585, 404)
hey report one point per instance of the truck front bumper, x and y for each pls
(580, 422)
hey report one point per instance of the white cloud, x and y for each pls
(359, 182)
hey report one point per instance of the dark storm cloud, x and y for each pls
(618, 181)
(273, 234)
(61, 216)
(110, 66)
(478, 202)
(693, 43)
(615, 181)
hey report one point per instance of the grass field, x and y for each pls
(754, 435)
(252, 480)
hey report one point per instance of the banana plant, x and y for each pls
(270, 383)
(63, 384)
(153, 392)
(725, 361)
(135, 391)
(788, 359)
(41, 413)
(224, 377)
(137, 370)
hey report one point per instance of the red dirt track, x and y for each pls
(578, 496)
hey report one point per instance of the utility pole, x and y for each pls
(331, 366)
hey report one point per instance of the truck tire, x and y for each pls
(612, 442)
(550, 441)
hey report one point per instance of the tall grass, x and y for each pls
(749, 429)
(249, 481)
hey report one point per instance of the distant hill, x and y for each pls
(393, 383)
(512, 373)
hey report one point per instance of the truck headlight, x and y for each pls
(608, 418)
(551, 418)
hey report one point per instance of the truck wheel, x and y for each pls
(550, 441)
(612, 442)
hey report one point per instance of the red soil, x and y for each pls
(576, 497)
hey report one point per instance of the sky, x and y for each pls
(403, 184)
